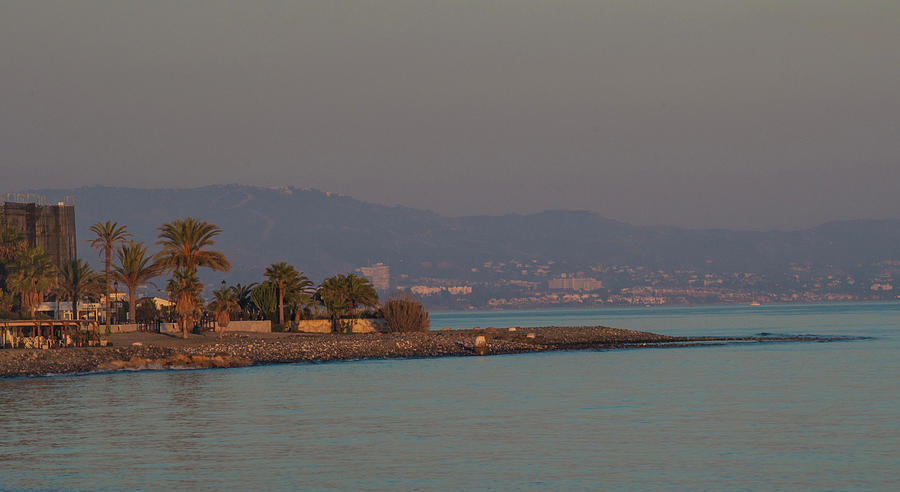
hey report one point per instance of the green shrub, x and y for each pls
(265, 298)
(146, 311)
(403, 314)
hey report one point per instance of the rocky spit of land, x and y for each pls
(135, 351)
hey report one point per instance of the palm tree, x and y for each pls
(7, 301)
(184, 243)
(243, 296)
(184, 289)
(361, 293)
(184, 249)
(299, 296)
(32, 275)
(11, 242)
(76, 279)
(289, 282)
(332, 295)
(108, 235)
(224, 303)
(135, 268)
(344, 294)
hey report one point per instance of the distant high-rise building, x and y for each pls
(52, 227)
(575, 283)
(379, 274)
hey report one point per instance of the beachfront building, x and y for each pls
(159, 302)
(87, 310)
(93, 311)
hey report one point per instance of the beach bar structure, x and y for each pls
(41, 334)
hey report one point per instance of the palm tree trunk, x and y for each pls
(131, 304)
(184, 330)
(108, 251)
(26, 303)
(280, 303)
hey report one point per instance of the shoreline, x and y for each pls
(152, 351)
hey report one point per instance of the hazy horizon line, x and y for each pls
(452, 216)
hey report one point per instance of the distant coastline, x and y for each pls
(512, 258)
(587, 307)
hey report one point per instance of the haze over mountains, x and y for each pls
(323, 233)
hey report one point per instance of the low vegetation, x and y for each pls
(404, 313)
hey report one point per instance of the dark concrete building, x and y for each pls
(52, 227)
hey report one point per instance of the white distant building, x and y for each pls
(426, 290)
(575, 283)
(379, 274)
(459, 290)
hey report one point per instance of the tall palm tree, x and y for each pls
(223, 304)
(185, 245)
(32, 276)
(77, 279)
(285, 276)
(135, 268)
(184, 289)
(108, 235)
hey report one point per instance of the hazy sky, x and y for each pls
(742, 114)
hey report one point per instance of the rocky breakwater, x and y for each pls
(177, 361)
(24, 362)
(327, 347)
(155, 351)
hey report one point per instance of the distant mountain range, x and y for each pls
(324, 233)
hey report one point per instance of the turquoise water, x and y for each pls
(759, 416)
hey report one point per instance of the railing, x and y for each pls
(47, 334)
(207, 322)
(149, 326)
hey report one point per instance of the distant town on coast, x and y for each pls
(550, 259)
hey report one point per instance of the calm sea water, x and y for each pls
(760, 416)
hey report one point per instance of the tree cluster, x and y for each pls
(28, 276)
